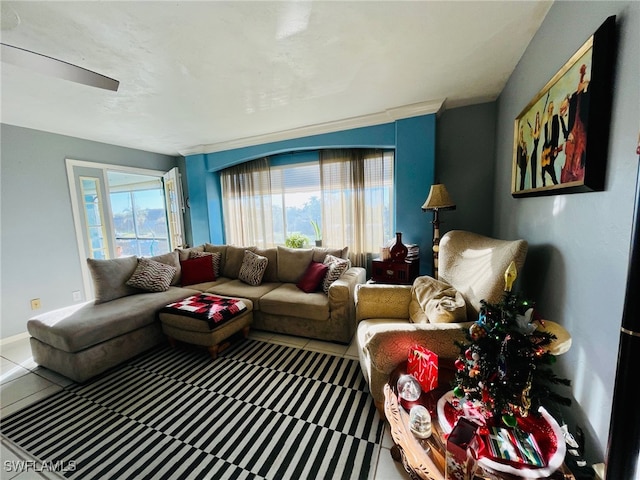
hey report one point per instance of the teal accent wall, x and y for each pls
(413, 140)
(197, 200)
(415, 167)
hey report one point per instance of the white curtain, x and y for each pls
(356, 185)
(246, 204)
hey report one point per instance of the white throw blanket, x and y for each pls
(433, 301)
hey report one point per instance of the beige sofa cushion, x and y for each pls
(271, 273)
(292, 263)
(110, 278)
(233, 261)
(80, 326)
(222, 250)
(184, 253)
(237, 288)
(433, 301)
(289, 300)
(319, 253)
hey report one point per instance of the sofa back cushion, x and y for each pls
(110, 277)
(233, 261)
(320, 253)
(184, 253)
(222, 250)
(271, 273)
(292, 263)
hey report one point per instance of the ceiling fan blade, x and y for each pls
(57, 68)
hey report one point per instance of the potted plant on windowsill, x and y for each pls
(296, 240)
(318, 233)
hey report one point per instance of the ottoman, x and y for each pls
(207, 320)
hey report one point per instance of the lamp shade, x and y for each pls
(438, 199)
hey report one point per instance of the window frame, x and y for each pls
(77, 209)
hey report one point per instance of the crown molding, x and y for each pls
(389, 115)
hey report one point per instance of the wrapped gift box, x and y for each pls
(423, 365)
(515, 446)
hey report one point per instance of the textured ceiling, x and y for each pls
(200, 75)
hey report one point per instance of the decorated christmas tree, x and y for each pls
(505, 365)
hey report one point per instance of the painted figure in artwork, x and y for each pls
(550, 147)
(523, 159)
(575, 130)
(535, 134)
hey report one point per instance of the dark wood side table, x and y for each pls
(401, 273)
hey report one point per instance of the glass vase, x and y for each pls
(398, 250)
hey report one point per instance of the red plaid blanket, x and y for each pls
(209, 308)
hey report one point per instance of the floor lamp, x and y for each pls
(437, 200)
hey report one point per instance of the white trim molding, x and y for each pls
(389, 115)
(14, 338)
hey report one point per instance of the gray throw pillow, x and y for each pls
(292, 263)
(233, 261)
(110, 277)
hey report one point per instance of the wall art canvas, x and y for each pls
(561, 137)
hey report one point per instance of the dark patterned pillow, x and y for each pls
(337, 266)
(152, 276)
(252, 268)
(215, 258)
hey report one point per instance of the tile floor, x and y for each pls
(23, 382)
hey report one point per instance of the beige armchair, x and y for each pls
(473, 264)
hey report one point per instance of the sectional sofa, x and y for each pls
(303, 292)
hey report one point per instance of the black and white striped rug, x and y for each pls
(259, 411)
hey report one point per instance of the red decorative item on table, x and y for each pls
(423, 365)
(461, 447)
(541, 429)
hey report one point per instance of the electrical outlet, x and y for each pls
(35, 304)
(76, 295)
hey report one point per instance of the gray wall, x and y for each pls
(579, 243)
(465, 156)
(39, 253)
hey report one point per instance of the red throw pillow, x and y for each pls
(312, 277)
(197, 270)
